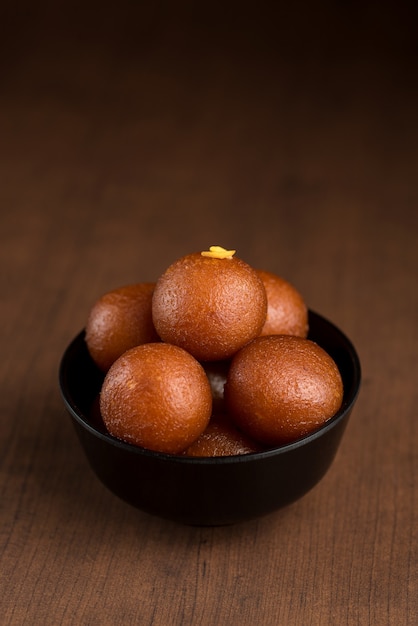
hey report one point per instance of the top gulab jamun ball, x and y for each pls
(211, 304)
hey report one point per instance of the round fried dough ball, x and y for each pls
(282, 387)
(156, 396)
(119, 320)
(209, 306)
(222, 438)
(287, 313)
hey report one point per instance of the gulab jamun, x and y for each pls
(282, 387)
(222, 438)
(287, 313)
(119, 320)
(156, 396)
(210, 305)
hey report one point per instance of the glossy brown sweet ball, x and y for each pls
(287, 313)
(222, 438)
(119, 320)
(282, 387)
(156, 396)
(209, 306)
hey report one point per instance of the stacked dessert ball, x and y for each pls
(211, 360)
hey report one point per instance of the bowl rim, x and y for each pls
(250, 457)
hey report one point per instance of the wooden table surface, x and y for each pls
(131, 136)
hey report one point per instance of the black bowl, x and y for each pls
(207, 491)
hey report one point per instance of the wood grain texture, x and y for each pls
(132, 137)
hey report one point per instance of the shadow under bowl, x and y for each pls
(207, 491)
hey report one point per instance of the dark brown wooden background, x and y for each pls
(133, 134)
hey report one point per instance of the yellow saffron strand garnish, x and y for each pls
(217, 252)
